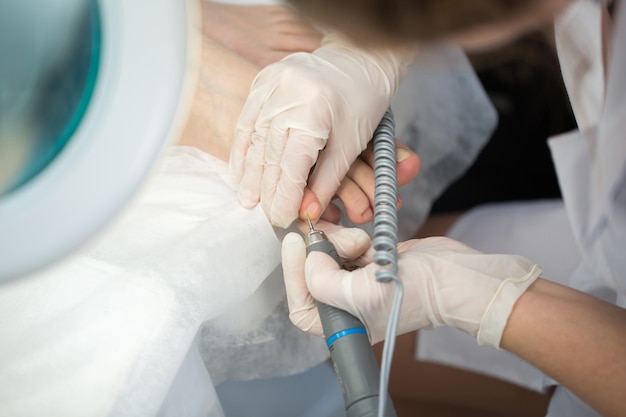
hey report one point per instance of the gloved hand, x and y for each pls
(445, 283)
(356, 191)
(330, 99)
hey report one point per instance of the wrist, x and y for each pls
(393, 62)
(500, 307)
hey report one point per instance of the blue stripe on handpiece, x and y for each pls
(355, 330)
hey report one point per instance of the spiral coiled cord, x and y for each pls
(385, 238)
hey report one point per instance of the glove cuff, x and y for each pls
(392, 62)
(499, 308)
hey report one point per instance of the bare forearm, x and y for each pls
(223, 84)
(575, 338)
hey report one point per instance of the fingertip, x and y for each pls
(293, 254)
(310, 206)
(250, 184)
(292, 240)
(248, 198)
(282, 208)
(283, 222)
(313, 211)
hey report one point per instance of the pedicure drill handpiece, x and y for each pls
(350, 350)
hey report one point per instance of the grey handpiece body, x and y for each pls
(352, 355)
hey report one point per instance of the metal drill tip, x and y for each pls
(308, 219)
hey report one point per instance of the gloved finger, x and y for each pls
(326, 281)
(309, 207)
(351, 291)
(302, 308)
(351, 243)
(281, 208)
(275, 143)
(289, 184)
(238, 153)
(442, 245)
(244, 128)
(327, 175)
(274, 150)
(250, 184)
(368, 154)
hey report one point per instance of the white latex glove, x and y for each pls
(445, 283)
(330, 99)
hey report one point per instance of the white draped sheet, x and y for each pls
(184, 271)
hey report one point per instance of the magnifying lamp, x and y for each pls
(90, 93)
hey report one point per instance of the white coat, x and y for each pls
(586, 245)
(591, 165)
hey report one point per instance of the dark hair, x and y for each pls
(406, 21)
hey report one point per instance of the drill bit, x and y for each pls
(308, 219)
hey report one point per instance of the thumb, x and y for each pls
(293, 256)
(325, 278)
(302, 307)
